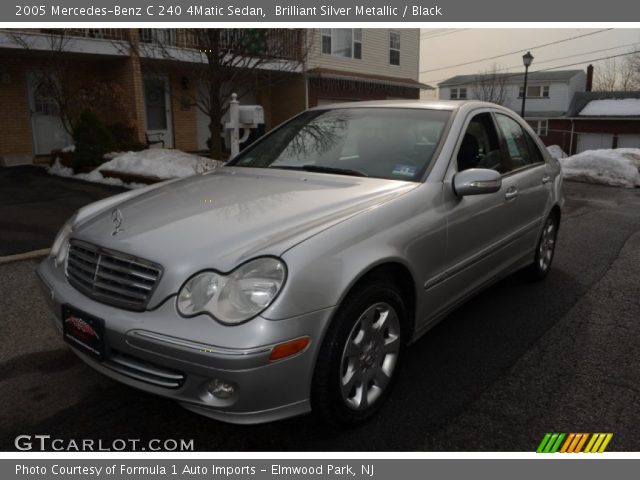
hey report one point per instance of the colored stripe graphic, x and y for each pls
(607, 439)
(543, 443)
(555, 447)
(568, 442)
(574, 442)
(550, 443)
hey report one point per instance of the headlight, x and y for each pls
(236, 297)
(61, 242)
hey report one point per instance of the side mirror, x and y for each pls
(476, 181)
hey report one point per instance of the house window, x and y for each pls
(458, 93)
(535, 91)
(541, 127)
(342, 42)
(394, 48)
(44, 99)
(163, 36)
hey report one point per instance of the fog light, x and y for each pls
(220, 389)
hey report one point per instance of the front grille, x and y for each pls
(144, 371)
(111, 277)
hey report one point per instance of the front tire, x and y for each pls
(545, 249)
(359, 358)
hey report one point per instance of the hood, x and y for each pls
(221, 219)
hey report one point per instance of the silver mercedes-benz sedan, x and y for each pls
(294, 277)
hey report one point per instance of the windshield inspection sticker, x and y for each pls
(404, 170)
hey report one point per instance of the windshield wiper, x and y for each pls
(323, 169)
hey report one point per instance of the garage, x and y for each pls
(594, 141)
(629, 141)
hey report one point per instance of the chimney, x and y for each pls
(589, 84)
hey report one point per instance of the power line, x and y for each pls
(517, 51)
(544, 69)
(442, 34)
(634, 44)
(439, 31)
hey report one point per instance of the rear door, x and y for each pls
(530, 178)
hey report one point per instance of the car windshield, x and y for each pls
(391, 143)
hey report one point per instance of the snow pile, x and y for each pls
(60, 170)
(556, 151)
(95, 176)
(619, 167)
(159, 163)
(613, 107)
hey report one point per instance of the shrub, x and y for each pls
(92, 140)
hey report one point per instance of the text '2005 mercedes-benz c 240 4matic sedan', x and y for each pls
(293, 278)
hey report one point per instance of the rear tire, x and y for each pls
(360, 355)
(545, 249)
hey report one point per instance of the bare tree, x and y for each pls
(56, 77)
(491, 86)
(219, 61)
(51, 75)
(618, 74)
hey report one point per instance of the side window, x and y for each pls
(515, 141)
(480, 147)
(536, 156)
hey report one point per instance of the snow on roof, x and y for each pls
(612, 107)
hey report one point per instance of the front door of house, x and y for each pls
(46, 125)
(157, 107)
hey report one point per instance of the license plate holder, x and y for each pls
(83, 331)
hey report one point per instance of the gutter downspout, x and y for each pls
(571, 138)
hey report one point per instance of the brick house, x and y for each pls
(339, 65)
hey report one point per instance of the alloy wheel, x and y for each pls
(370, 356)
(547, 244)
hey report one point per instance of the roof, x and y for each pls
(582, 99)
(548, 76)
(366, 77)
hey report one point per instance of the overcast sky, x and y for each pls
(440, 48)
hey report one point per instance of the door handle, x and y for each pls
(546, 179)
(511, 193)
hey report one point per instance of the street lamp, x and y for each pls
(527, 58)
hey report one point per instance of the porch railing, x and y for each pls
(98, 33)
(275, 42)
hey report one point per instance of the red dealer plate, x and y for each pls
(83, 331)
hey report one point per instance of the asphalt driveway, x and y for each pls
(34, 205)
(515, 362)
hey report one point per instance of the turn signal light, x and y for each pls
(289, 348)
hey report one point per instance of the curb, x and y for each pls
(24, 256)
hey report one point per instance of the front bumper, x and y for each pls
(163, 353)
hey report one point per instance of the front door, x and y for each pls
(47, 128)
(157, 107)
(481, 238)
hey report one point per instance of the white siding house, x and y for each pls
(375, 49)
(345, 64)
(549, 94)
(547, 91)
